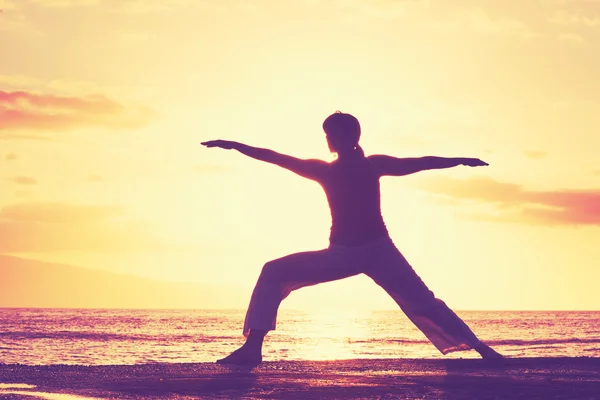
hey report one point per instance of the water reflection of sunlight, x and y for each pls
(16, 386)
(11, 388)
(331, 332)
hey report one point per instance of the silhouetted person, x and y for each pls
(359, 242)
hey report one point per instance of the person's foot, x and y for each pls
(242, 356)
(487, 353)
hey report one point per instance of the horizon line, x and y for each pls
(287, 310)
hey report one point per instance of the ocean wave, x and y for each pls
(165, 338)
(388, 341)
(518, 342)
(500, 342)
(105, 337)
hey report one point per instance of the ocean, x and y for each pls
(124, 337)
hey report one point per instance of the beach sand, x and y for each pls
(521, 378)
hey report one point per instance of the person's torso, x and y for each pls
(352, 190)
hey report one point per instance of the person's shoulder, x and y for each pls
(318, 162)
(377, 157)
(379, 163)
(319, 169)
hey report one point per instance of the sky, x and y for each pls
(104, 103)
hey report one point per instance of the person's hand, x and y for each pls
(474, 162)
(223, 144)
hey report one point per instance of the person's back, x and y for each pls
(352, 189)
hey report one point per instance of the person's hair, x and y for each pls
(344, 129)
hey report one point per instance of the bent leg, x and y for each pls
(276, 281)
(432, 316)
(281, 276)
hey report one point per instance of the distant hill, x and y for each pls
(31, 283)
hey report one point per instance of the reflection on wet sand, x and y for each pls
(17, 389)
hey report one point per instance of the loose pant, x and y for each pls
(382, 262)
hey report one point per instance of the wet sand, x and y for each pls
(522, 378)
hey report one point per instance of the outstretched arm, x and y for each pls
(311, 169)
(387, 165)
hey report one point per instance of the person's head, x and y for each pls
(343, 132)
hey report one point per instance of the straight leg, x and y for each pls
(447, 332)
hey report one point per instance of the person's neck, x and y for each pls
(345, 156)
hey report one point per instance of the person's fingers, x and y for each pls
(211, 143)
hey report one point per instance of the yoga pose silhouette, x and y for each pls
(359, 242)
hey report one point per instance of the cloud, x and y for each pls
(62, 87)
(10, 157)
(153, 6)
(570, 37)
(9, 136)
(558, 207)
(49, 212)
(25, 180)
(64, 3)
(579, 16)
(18, 81)
(24, 194)
(533, 154)
(25, 110)
(480, 20)
(50, 227)
(387, 10)
(94, 104)
(575, 21)
(7, 5)
(14, 17)
(119, 6)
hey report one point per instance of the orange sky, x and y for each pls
(103, 105)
